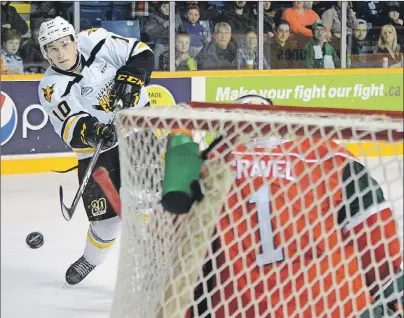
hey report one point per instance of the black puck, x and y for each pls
(34, 240)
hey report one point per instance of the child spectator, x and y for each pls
(284, 52)
(198, 32)
(10, 43)
(182, 7)
(389, 48)
(10, 19)
(320, 54)
(221, 52)
(157, 27)
(247, 55)
(183, 60)
(300, 18)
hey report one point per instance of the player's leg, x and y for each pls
(104, 224)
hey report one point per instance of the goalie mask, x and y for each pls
(253, 99)
(58, 42)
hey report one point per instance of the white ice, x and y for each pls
(32, 281)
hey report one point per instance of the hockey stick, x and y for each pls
(68, 212)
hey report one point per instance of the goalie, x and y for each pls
(307, 232)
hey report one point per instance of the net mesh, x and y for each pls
(291, 224)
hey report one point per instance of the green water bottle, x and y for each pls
(183, 165)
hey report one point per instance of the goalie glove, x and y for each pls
(95, 132)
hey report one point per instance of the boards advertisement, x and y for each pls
(25, 126)
(376, 91)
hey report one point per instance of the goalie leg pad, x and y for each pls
(101, 237)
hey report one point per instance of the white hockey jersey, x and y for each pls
(67, 96)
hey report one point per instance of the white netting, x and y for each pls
(286, 229)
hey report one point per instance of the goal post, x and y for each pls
(292, 223)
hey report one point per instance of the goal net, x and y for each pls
(301, 217)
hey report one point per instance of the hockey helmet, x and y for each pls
(253, 99)
(53, 30)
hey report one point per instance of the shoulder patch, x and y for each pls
(47, 92)
(89, 31)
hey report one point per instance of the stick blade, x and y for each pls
(66, 212)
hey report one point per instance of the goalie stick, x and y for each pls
(68, 212)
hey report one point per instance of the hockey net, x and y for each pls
(277, 251)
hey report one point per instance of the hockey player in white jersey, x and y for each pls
(89, 72)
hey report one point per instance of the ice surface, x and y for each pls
(32, 281)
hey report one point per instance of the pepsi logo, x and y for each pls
(9, 118)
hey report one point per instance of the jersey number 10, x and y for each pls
(62, 111)
(270, 254)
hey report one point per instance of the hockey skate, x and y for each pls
(78, 271)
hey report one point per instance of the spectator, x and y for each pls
(247, 55)
(10, 44)
(362, 46)
(157, 27)
(221, 52)
(393, 11)
(269, 22)
(333, 16)
(370, 11)
(34, 62)
(320, 54)
(284, 52)
(10, 19)
(300, 18)
(239, 17)
(46, 8)
(182, 8)
(183, 60)
(389, 48)
(199, 33)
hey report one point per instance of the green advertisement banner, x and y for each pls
(350, 91)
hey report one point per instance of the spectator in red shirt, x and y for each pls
(300, 18)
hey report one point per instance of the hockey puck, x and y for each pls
(34, 240)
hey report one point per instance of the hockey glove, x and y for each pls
(126, 88)
(99, 132)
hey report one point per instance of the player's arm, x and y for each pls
(134, 61)
(75, 126)
(368, 222)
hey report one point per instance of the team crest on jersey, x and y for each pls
(47, 92)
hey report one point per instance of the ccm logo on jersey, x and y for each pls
(130, 79)
(47, 92)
